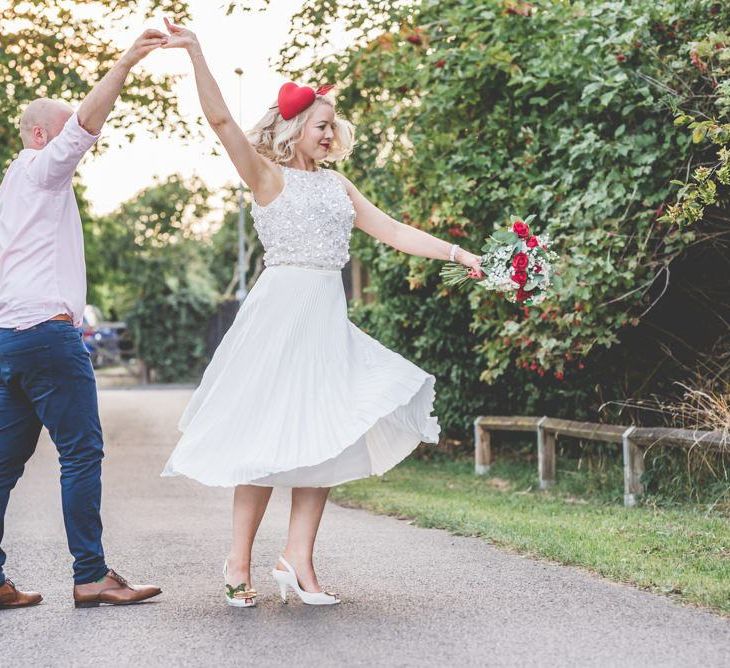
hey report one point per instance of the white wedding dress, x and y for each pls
(296, 395)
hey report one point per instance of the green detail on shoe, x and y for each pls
(242, 590)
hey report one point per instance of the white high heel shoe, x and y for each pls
(288, 578)
(240, 596)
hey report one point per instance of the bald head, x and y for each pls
(42, 120)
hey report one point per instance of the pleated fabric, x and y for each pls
(296, 395)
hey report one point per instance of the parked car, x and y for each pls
(107, 342)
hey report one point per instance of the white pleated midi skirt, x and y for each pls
(296, 395)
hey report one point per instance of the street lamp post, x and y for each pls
(242, 292)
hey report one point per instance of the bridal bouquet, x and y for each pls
(514, 261)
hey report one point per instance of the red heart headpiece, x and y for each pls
(294, 99)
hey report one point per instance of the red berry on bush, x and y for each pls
(439, 63)
(620, 58)
(415, 38)
(559, 375)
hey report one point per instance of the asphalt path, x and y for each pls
(411, 596)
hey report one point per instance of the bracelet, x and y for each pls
(452, 253)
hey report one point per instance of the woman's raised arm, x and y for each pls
(253, 168)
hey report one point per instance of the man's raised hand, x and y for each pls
(147, 42)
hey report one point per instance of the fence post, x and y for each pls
(633, 469)
(545, 455)
(482, 449)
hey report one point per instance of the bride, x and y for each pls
(296, 395)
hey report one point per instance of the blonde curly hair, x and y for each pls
(275, 138)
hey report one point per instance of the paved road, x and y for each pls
(411, 596)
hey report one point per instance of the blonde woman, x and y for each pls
(296, 395)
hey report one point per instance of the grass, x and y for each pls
(683, 552)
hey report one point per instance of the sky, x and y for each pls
(248, 40)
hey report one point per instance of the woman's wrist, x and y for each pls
(461, 255)
(454, 251)
(193, 48)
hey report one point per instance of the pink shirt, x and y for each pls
(42, 267)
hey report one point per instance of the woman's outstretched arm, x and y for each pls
(252, 167)
(369, 218)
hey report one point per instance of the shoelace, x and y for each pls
(115, 576)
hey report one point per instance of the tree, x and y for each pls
(157, 274)
(50, 49)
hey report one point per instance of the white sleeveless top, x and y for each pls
(309, 223)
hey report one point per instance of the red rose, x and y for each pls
(532, 242)
(519, 277)
(520, 261)
(559, 375)
(521, 229)
(522, 294)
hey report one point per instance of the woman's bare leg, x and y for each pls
(249, 506)
(307, 505)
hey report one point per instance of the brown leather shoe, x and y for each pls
(112, 590)
(10, 597)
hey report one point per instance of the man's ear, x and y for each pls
(39, 136)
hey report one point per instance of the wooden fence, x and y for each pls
(635, 441)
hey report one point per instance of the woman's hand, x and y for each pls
(180, 38)
(471, 261)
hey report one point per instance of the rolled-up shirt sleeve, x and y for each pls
(53, 167)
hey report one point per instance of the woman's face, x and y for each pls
(318, 132)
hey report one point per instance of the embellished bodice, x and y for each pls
(309, 223)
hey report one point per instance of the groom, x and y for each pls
(46, 378)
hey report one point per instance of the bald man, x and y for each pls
(46, 378)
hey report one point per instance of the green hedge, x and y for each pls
(471, 112)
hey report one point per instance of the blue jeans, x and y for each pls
(46, 379)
